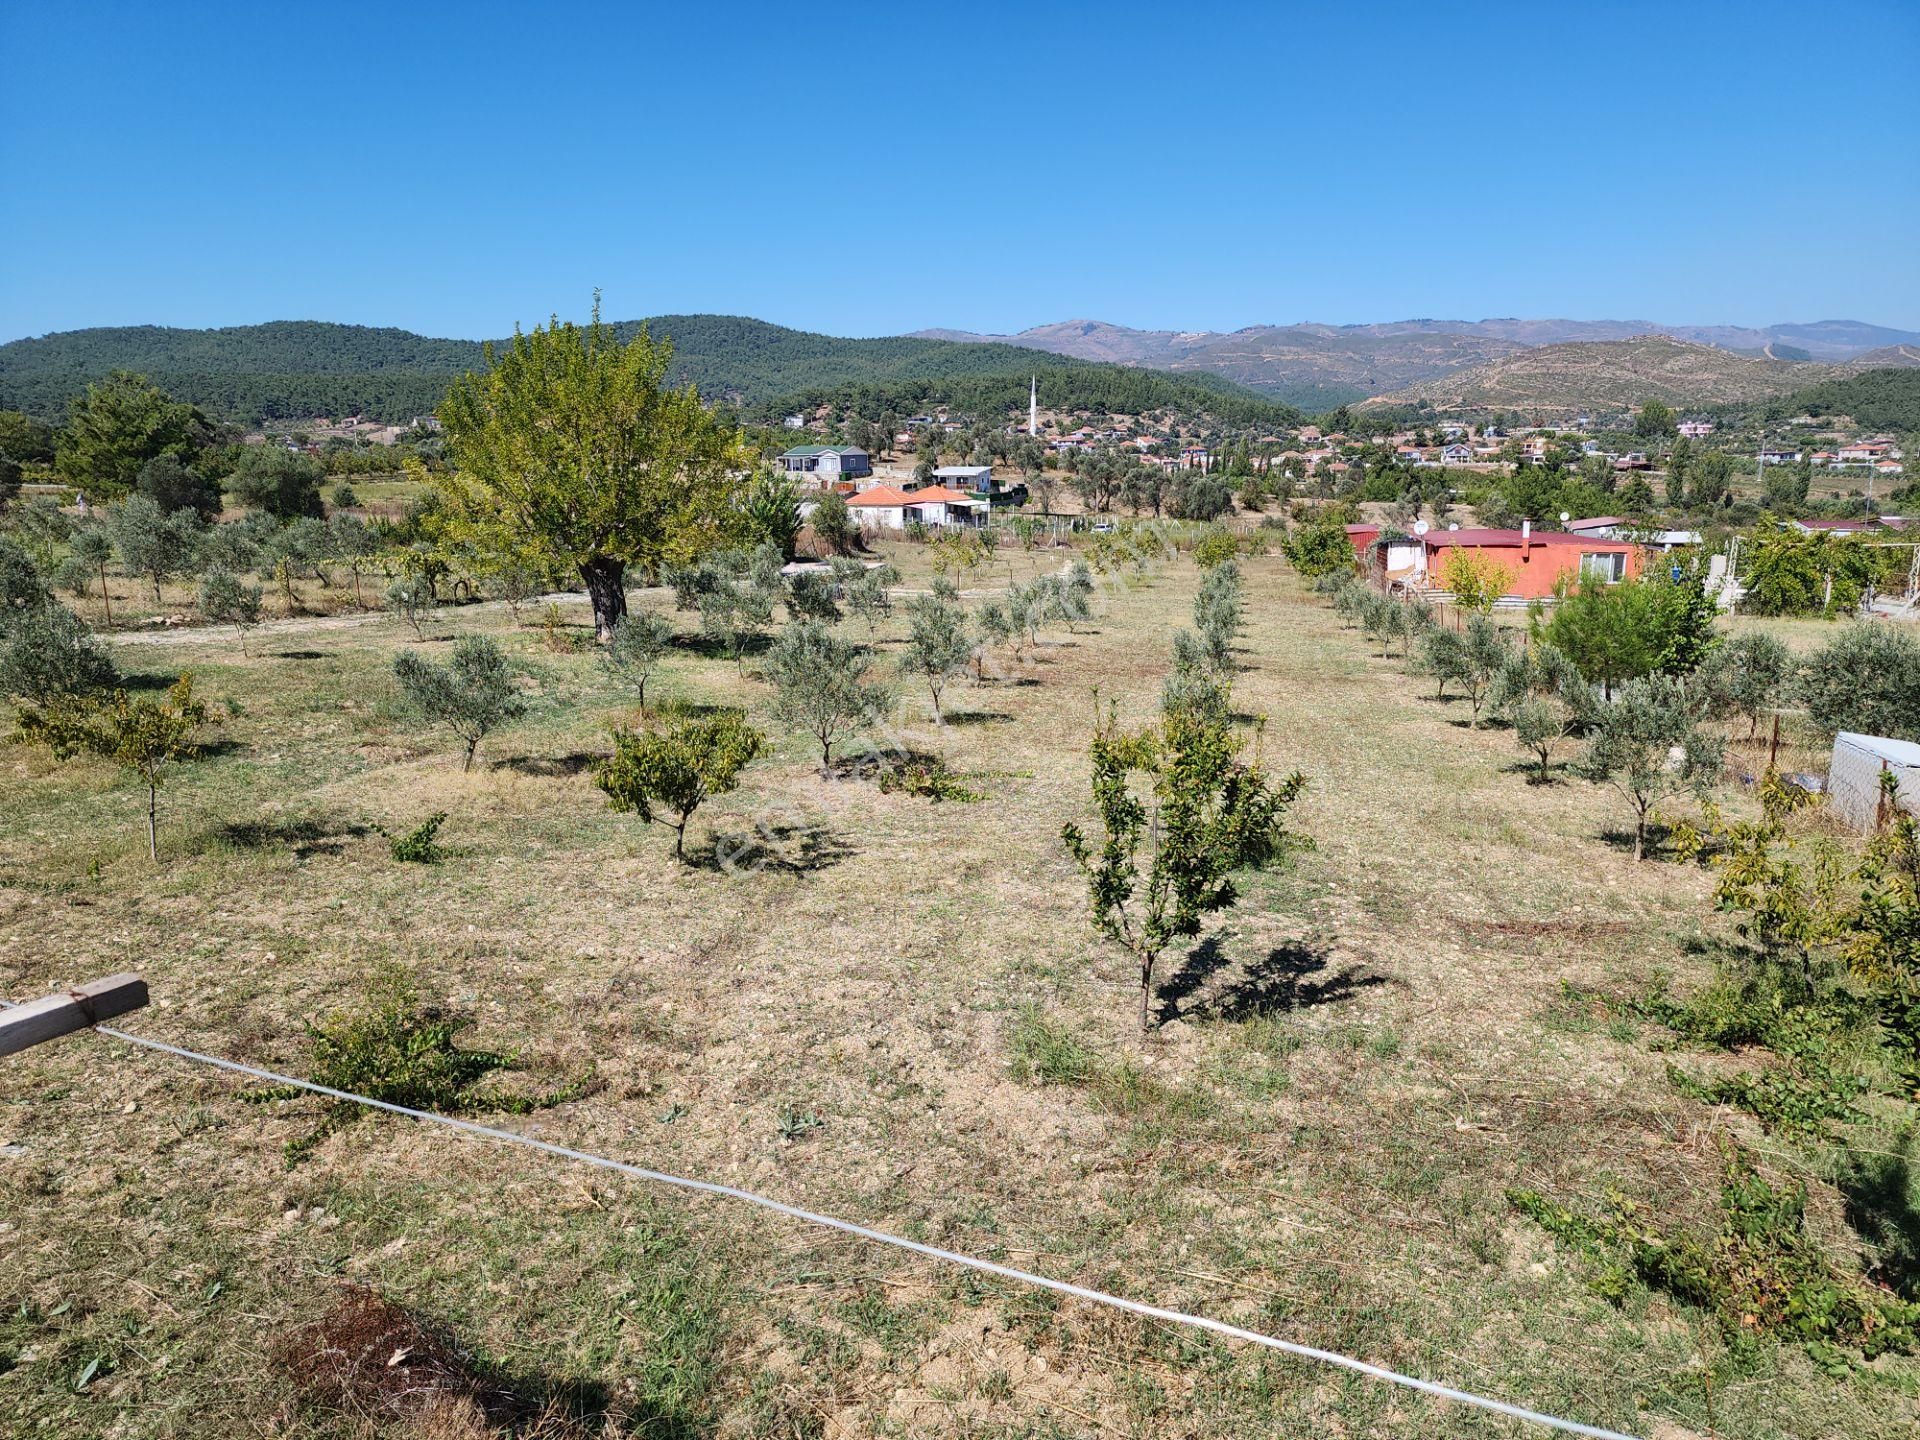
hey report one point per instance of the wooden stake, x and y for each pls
(76, 1009)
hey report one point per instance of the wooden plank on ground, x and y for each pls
(75, 1009)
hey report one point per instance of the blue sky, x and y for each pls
(869, 169)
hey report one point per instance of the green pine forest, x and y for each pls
(294, 369)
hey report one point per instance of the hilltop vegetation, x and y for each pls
(1878, 399)
(292, 369)
(1610, 373)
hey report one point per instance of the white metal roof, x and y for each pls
(1897, 752)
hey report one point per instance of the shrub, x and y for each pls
(1866, 679)
(397, 1050)
(833, 523)
(1217, 546)
(1321, 548)
(409, 598)
(420, 845)
(928, 779)
(472, 694)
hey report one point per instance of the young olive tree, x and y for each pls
(92, 549)
(640, 638)
(48, 656)
(1649, 744)
(864, 589)
(668, 773)
(1181, 813)
(408, 598)
(225, 600)
(145, 737)
(472, 694)
(150, 542)
(1469, 658)
(821, 686)
(937, 645)
(1542, 695)
(1748, 675)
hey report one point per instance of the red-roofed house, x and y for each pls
(934, 505)
(1536, 561)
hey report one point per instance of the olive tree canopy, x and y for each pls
(575, 445)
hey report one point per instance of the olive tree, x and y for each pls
(821, 685)
(150, 542)
(226, 600)
(640, 638)
(575, 444)
(1648, 743)
(1541, 693)
(92, 550)
(1748, 674)
(1469, 658)
(937, 644)
(668, 773)
(472, 694)
(47, 655)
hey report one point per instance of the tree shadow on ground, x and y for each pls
(299, 654)
(976, 717)
(1299, 975)
(869, 764)
(145, 680)
(1621, 838)
(550, 766)
(303, 837)
(1879, 1192)
(798, 849)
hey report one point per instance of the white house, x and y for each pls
(1695, 429)
(1457, 455)
(892, 509)
(977, 478)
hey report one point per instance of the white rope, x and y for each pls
(931, 1252)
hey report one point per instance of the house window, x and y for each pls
(1609, 567)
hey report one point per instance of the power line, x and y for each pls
(931, 1252)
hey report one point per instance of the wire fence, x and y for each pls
(881, 1237)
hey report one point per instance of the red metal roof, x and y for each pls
(1496, 539)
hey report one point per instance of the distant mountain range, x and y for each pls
(1315, 366)
(288, 370)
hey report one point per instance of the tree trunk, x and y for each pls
(1640, 835)
(105, 599)
(680, 842)
(153, 823)
(605, 579)
(1146, 995)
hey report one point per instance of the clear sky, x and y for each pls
(869, 169)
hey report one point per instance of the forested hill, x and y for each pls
(293, 369)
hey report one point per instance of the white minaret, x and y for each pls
(1033, 408)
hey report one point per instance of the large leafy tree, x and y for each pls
(576, 445)
(116, 427)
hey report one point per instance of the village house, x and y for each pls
(892, 509)
(1633, 460)
(1778, 455)
(1457, 454)
(1537, 563)
(1695, 429)
(977, 479)
(826, 463)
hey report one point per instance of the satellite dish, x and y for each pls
(1420, 527)
(1564, 517)
(1454, 526)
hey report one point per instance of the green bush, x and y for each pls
(420, 845)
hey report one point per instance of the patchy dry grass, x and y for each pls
(1352, 1073)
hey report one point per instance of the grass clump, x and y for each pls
(1046, 1054)
(929, 779)
(400, 1051)
(1759, 1274)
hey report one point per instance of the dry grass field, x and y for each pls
(896, 1012)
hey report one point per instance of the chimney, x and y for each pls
(1526, 539)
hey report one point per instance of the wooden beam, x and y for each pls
(75, 1009)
